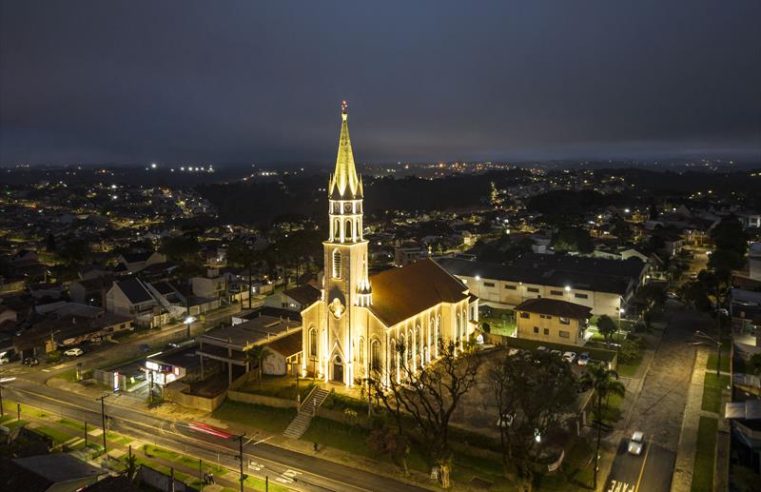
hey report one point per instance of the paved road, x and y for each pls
(650, 471)
(293, 469)
(659, 408)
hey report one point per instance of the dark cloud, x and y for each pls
(246, 81)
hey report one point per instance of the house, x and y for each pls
(132, 297)
(57, 472)
(294, 299)
(603, 285)
(91, 290)
(554, 321)
(212, 285)
(166, 367)
(283, 355)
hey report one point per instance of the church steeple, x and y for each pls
(345, 183)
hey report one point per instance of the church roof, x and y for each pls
(306, 295)
(345, 183)
(401, 293)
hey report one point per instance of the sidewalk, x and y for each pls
(685, 456)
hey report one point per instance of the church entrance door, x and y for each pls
(338, 369)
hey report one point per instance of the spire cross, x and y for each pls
(344, 106)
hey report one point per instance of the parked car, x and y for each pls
(541, 348)
(31, 361)
(74, 352)
(636, 443)
(569, 357)
(583, 359)
(556, 353)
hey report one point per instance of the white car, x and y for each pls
(636, 443)
(569, 357)
(74, 352)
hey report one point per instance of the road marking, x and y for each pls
(253, 465)
(642, 470)
(288, 476)
(616, 486)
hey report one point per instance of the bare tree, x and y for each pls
(423, 400)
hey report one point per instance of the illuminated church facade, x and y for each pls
(357, 327)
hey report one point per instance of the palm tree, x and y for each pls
(255, 355)
(605, 383)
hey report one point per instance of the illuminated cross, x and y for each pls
(344, 106)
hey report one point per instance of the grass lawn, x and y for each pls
(702, 477)
(611, 412)
(501, 321)
(629, 369)
(278, 387)
(57, 435)
(712, 356)
(712, 387)
(273, 420)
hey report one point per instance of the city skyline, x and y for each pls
(130, 85)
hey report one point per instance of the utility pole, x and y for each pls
(103, 420)
(240, 457)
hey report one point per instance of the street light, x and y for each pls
(189, 321)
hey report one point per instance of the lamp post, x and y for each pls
(189, 320)
(103, 420)
(240, 457)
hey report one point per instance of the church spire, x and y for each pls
(345, 183)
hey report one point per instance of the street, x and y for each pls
(296, 470)
(658, 410)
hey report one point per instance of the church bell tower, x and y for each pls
(346, 284)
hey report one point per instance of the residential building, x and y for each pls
(553, 321)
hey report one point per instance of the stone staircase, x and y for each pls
(307, 410)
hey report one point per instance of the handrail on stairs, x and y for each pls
(309, 395)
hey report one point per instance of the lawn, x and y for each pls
(702, 477)
(278, 387)
(611, 412)
(269, 419)
(629, 369)
(712, 387)
(712, 356)
(501, 321)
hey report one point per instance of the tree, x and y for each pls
(575, 239)
(532, 392)
(255, 356)
(422, 401)
(605, 383)
(182, 249)
(130, 469)
(242, 254)
(607, 327)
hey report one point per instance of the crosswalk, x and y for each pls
(616, 486)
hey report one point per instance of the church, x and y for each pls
(372, 326)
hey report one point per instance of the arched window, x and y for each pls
(312, 342)
(349, 235)
(375, 355)
(336, 264)
(336, 229)
(361, 350)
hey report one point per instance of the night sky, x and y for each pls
(200, 81)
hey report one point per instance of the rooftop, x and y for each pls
(254, 332)
(554, 307)
(595, 274)
(400, 293)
